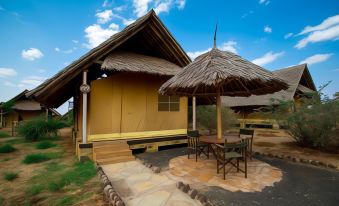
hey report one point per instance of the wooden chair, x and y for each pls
(225, 154)
(247, 136)
(195, 146)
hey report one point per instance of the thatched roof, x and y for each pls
(298, 79)
(27, 105)
(147, 35)
(231, 73)
(132, 62)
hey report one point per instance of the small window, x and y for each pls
(168, 103)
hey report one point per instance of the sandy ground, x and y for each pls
(280, 142)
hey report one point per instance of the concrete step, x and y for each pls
(112, 160)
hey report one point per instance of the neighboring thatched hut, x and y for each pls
(118, 97)
(300, 84)
(22, 109)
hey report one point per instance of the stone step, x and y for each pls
(112, 160)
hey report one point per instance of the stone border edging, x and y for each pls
(295, 159)
(112, 197)
(185, 188)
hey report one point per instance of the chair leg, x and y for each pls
(188, 153)
(224, 171)
(217, 167)
(245, 167)
(208, 152)
(237, 164)
(196, 154)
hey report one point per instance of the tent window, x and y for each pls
(168, 103)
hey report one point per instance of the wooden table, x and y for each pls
(213, 139)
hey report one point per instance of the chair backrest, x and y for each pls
(246, 132)
(192, 139)
(221, 150)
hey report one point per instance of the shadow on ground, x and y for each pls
(301, 184)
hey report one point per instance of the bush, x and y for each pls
(44, 145)
(34, 190)
(6, 148)
(10, 176)
(313, 123)
(39, 157)
(4, 134)
(207, 118)
(40, 128)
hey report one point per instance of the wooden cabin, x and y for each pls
(115, 89)
(300, 83)
(22, 109)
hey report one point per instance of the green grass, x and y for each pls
(45, 145)
(2, 200)
(40, 157)
(68, 200)
(10, 176)
(4, 134)
(6, 148)
(15, 141)
(34, 190)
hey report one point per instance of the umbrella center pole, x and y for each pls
(219, 121)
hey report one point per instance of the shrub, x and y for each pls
(10, 176)
(39, 157)
(207, 118)
(44, 145)
(313, 122)
(34, 190)
(6, 148)
(40, 128)
(4, 134)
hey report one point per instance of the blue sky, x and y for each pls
(38, 38)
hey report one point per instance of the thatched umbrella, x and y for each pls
(222, 73)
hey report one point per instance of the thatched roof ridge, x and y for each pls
(237, 76)
(132, 62)
(292, 75)
(65, 79)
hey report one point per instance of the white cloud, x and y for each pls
(288, 35)
(327, 23)
(265, 2)
(31, 54)
(104, 16)
(317, 58)
(31, 81)
(120, 8)
(7, 72)
(69, 51)
(229, 46)
(106, 3)
(267, 29)
(226, 46)
(181, 4)
(56, 49)
(331, 33)
(75, 41)
(269, 57)
(195, 54)
(95, 34)
(163, 7)
(127, 21)
(141, 7)
(9, 84)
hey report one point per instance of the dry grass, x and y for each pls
(32, 186)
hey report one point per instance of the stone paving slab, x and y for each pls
(203, 172)
(139, 186)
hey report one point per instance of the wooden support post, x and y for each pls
(219, 121)
(194, 114)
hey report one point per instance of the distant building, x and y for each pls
(300, 83)
(23, 109)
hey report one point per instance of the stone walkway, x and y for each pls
(259, 176)
(138, 185)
